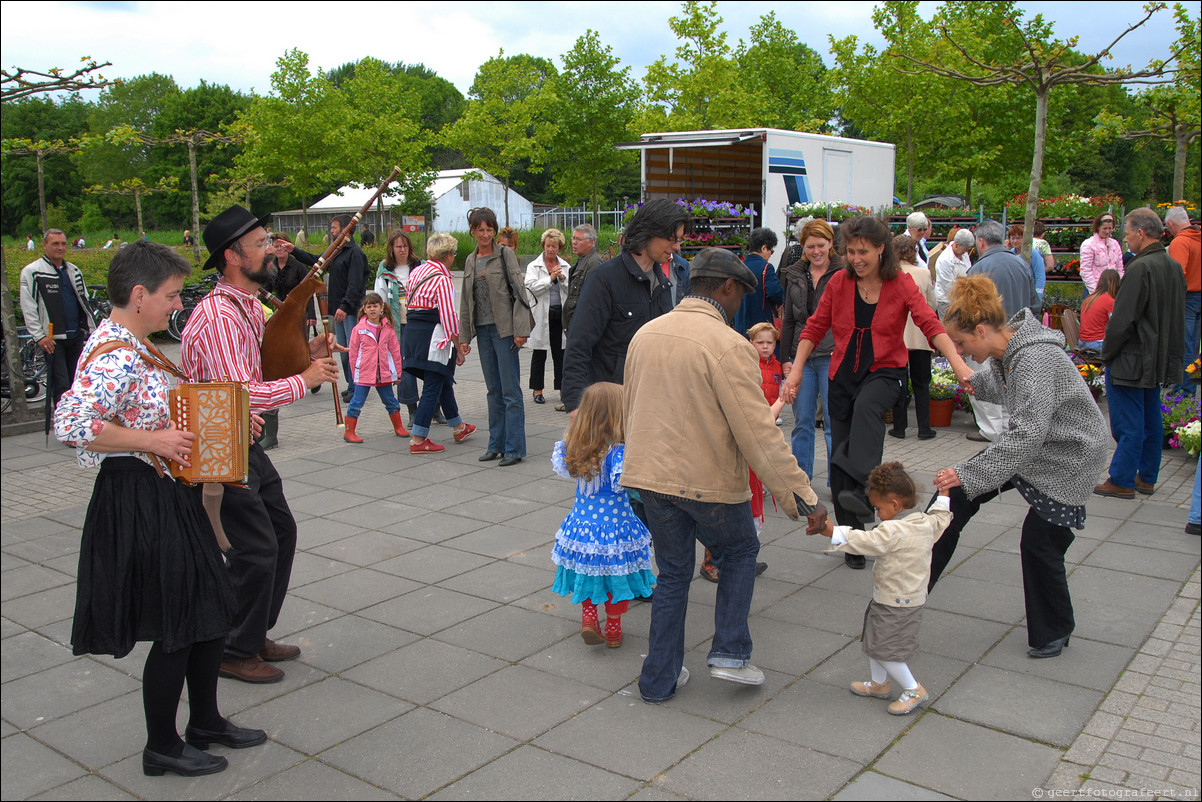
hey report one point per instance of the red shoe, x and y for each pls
(464, 433)
(426, 446)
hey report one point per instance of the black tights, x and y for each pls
(163, 682)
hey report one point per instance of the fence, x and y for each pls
(565, 218)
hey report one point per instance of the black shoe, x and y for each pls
(1193, 529)
(539, 399)
(191, 763)
(929, 434)
(855, 561)
(507, 461)
(976, 437)
(234, 737)
(316, 389)
(440, 418)
(346, 396)
(1049, 649)
(899, 435)
(489, 456)
(760, 568)
(855, 504)
(646, 598)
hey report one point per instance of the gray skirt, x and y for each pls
(891, 633)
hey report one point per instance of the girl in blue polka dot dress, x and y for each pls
(603, 552)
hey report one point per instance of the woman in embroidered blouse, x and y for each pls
(865, 305)
(1100, 252)
(432, 304)
(146, 537)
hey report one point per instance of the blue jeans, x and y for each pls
(502, 376)
(1138, 432)
(1193, 328)
(342, 335)
(725, 529)
(814, 380)
(1195, 506)
(360, 397)
(438, 390)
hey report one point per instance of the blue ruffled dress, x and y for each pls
(602, 549)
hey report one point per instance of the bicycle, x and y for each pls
(33, 366)
(190, 297)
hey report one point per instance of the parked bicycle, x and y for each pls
(33, 366)
(190, 297)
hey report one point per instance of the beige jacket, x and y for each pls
(913, 337)
(902, 547)
(695, 416)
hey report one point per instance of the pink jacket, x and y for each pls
(375, 354)
(1099, 254)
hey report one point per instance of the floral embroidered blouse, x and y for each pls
(117, 386)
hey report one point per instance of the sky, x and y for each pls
(237, 44)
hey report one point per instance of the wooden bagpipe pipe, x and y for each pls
(285, 349)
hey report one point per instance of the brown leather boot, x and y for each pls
(398, 425)
(350, 435)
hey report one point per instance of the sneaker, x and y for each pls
(877, 691)
(908, 701)
(747, 675)
(681, 680)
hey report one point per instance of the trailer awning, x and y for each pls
(702, 140)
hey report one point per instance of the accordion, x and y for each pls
(218, 413)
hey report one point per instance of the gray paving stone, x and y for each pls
(425, 764)
(428, 610)
(247, 766)
(319, 531)
(502, 581)
(77, 685)
(86, 788)
(655, 737)
(1117, 607)
(29, 652)
(958, 636)
(30, 579)
(609, 669)
(435, 527)
(719, 700)
(321, 715)
(828, 610)
(872, 787)
(46, 547)
(338, 645)
(991, 697)
(532, 773)
(308, 567)
(992, 566)
(355, 589)
(509, 633)
(791, 648)
(1142, 560)
(968, 761)
(300, 613)
(241, 698)
(936, 672)
(977, 598)
(502, 542)
(367, 548)
(312, 779)
(424, 671)
(102, 734)
(1090, 663)
(30, 768)
(432, 564)
(37, 610)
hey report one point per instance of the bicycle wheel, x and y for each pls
(33, 363)
(177, 321)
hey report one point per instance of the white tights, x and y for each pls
(883, 670)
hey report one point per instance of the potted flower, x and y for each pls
(1177, 410)
(944, 388)
(1188, 437)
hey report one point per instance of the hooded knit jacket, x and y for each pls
(1056, 440)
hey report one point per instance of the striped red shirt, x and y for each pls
(222, 341)
(437, 292)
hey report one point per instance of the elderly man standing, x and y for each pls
(1186, 249)
(690, 467)
(222, 342)
(1142, 351)
(584, 245)
(918, 226)
(1015, 283)
(952, 263)
(53, 292)
(619, 297)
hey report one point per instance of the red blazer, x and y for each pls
(899, 297)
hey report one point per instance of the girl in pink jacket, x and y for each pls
(1100, 252)
(375, 355)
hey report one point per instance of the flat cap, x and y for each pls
(722, 264)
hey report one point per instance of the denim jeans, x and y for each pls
(1195, 506)
(438, 390)
(814, 380)
(1193, 327)
(342, 335)
(502, 376)
(360, 397)
(725, 529)
(1138, 432)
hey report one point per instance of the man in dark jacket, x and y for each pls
(345, 284)
(584, 245)
(620, 296)
(1142, 350)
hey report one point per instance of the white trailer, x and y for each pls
(767, 169)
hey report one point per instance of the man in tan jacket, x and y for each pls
(695, 419)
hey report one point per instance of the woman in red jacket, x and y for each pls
(865, 306)
(375, 356)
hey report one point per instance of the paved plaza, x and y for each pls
(438, 664)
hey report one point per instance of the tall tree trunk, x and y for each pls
(195, 201)
(1041, 133)
(42, 192)
(596, 208)
(304, 213)
(505, 184)
(1182, 137)
(138, 206)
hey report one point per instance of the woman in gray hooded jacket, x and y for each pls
(1052, 451)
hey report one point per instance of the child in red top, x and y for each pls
(1097, 308)
(375, 355)
(763, 337)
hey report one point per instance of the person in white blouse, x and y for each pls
(953, 263)
(547, 280)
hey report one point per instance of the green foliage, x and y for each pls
(45, 123)
(784, 82)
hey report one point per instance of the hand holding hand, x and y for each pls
(945, 480)
(817, 521)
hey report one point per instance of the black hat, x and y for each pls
(722, 264)
(226, 228)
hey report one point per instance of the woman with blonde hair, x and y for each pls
(547, 279)
(1052, 452)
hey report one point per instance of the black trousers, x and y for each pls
(920, 382)
(262, 534)
(63, 361)
(538, 359)
(858, 440)
(1041, 550)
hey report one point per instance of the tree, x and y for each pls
(1026, 54)
(45, 130)
(296, 132)
(506, 120)
(784, 80)
(594, 108)
(40, 150)
(137, 189)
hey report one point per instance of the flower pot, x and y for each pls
(941, 411)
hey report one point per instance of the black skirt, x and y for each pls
(149, 565)
(415, 350)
